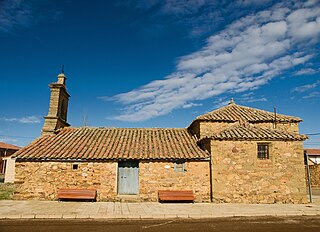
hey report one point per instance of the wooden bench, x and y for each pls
(77, 194)
(175, 195)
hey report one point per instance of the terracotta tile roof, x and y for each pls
(256, 133)
(312, 151)
(9, 146)
(234, 112)
(114, 143)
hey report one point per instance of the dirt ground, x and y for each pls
(239, 224)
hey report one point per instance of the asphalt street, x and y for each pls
(239, 224)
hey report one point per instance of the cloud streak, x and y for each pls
(13, 14)
(244, 56)
(306, 71)
(312, 95)
(24, 120)
(304, 88)
(200, 16)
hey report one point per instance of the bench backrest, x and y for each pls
(176, 195)
(175, 192)
(77, 193)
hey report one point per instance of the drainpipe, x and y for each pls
(308, 173)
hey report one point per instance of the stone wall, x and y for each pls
(161, 176)
(204, 129)
(41, 180)
(238, 176)
(207, 129)
(315, 175)
(289, 127)
(57, 115)
(10, 170)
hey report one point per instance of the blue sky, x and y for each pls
(157, 63)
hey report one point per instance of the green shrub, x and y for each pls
(6, 191)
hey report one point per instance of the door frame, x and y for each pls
(124, 164)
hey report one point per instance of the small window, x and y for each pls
(3, 165)
(263, 151)
(75, 166)
(180, 166)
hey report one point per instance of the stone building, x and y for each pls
(256, 156)
(233, 154)
(122, 164)
(6, 166)
(314, 166)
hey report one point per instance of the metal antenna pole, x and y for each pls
(306, 158)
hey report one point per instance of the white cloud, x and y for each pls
(305, 88)
(246, 55)
(199, 16)
(189, 105)
(25, 120)
(312, 95)
(311, 3)
(305, 23)
(220, 102)
(8, 140)
(250, 97)
(14, 13)
(306, 71)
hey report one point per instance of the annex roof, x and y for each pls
(241, 132)
(114, 143)
(313, 151)
(233, 113)
(9, 146)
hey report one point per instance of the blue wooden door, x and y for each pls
(128, 177)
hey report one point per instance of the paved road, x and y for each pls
(239, 224)
(146, 210)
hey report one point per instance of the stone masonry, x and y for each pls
(41, 180)
(161, 176)
(238, 176)
(204, 129)
(315, 175)
(57, 115)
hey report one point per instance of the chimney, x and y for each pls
(57, 115)
(231, 102)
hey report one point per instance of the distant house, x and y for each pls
(233, 154)
(314, 166)
(6, 151)
(313, 155)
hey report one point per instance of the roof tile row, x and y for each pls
(114, 143)
(234, 112)
(241, 132)
(9, 146)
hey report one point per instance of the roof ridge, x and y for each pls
(233, 112)
(129, 128)
(9, 146)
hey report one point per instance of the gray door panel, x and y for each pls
(128, 177)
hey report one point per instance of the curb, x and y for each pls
(161, 216)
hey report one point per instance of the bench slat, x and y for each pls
(176, 195)
(85, 194)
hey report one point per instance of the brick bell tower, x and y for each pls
(57, 115)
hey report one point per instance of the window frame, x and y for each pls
(178, 168)
(263, 154)
(74, 166)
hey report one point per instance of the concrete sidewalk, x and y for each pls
(151, 210)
